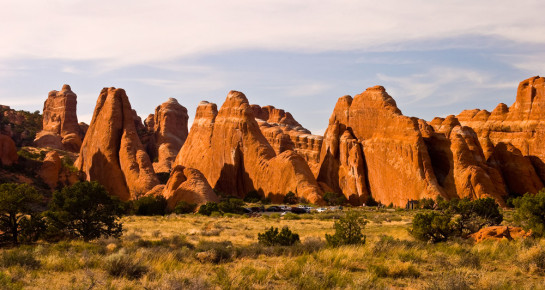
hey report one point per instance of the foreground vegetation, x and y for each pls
(196, 251)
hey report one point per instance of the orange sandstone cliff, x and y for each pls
(112, 153)
(227, 146)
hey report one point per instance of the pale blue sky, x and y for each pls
(435, 58)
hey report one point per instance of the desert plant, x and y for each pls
(332, 198)
(290, 198)
(432, 226)
(85, 210)
(150, 205)
(231, 205)
(530, 211)
(122, 265)
(273, 237)
(472, 215)
(252, 196)
(19, 211)
(19, 257)
(348, 230)
(183, 207)
(208, 208)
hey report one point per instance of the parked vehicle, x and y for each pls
(298, 210)
(321, 209)
(284, 208)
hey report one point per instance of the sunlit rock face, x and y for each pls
(228, 147)
(60, 122)
(112, 153)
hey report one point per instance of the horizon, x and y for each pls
(433, 59)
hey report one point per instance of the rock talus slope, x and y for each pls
(227, 146)
(112, 153)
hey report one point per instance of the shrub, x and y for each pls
(150, 205)
(472, 215)
(431, 226)
(208, 208)
(85, 210)
(348, 230)
(252, 196)
(272, 237)
(123, 265)
(19, 257)
(214, 252)
(231, 205)
(529, 212)
(183, 207)
(332, 198)
(290, 198)
(426, 203)
(18, 212)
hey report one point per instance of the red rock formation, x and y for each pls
(398, 165)
(189, 185)
(60, 122)
(21, 126)
(283, 132)
(519, 126)
(112, 153)
(496, 233)
(8, 151)
(234, 156)
(169, 127)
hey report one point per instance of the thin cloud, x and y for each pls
(129, 32)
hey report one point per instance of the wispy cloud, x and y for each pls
(131, 32)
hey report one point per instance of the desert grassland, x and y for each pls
(195, 252)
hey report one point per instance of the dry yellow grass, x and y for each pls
(170, 250)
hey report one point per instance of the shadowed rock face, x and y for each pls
(60, 122)
(169, 127)
(228, 147)
(8, 151)
(112, 153)
(54, 174)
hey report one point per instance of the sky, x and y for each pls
(434, 58)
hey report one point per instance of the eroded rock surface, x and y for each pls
(169, 128)
(189, 185)
(112, 152)
(227, 146)
(8, 151)
(60, 122)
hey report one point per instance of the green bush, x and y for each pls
(348, 230)
(183, 207)
(472, 215)
(231, 205)
(252, 197)
(85, 210)
(150, 205)
(290, 198)
(208, 208)
(332, 198)
(432, 226)
(426, 203)
(272, 237)
(19, 214)
(530, 212)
